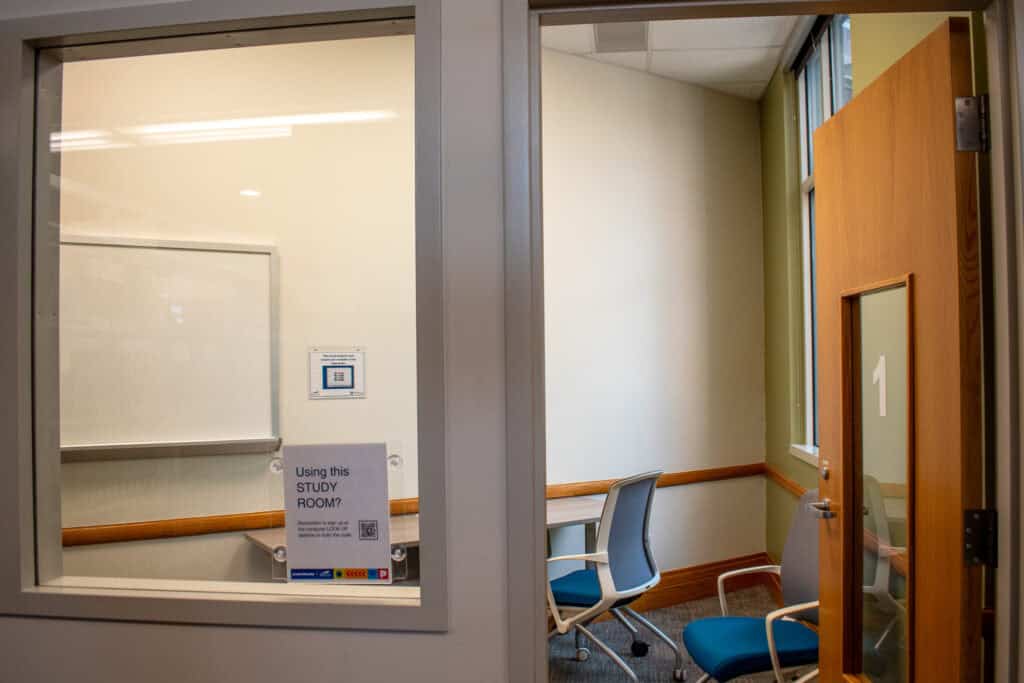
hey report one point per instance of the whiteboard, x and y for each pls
(166, 342)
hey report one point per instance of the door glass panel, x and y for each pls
(884, 482)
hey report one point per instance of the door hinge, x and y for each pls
(980, 537)
(972, 131)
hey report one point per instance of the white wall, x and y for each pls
(337, 202)
(474, 648)
(653, 296)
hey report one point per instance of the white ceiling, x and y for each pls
(735, 56)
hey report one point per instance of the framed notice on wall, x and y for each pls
(337, 372)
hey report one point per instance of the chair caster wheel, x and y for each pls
(679, 675)
(582, 654)
(639, 648)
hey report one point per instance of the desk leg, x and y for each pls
(590, 541)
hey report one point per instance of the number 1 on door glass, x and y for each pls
(878, 377)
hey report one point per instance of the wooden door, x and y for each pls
(896, 209)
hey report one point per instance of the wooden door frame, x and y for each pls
(524, 287)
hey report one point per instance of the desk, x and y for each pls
(405, 529)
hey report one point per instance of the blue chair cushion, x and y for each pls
(727, 647)
(577, 589)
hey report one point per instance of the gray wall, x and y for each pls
(474, 649)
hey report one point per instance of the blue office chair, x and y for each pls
(623, 570)
(728, 647)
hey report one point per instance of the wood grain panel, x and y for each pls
(894, 197)
(246, 521)
(701, 581)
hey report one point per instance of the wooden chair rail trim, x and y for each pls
(601, 486)
(784, 481)
(171, 528)
(215, 524)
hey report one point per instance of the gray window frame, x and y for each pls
(29, 265)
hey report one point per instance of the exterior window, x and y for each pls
(842, 61)
(825, 85)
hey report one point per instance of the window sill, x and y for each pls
(805, 452)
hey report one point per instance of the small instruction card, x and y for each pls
(337, 513)
(337, 372)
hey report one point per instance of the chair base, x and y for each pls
(583, 654)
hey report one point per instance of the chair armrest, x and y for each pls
(562, 624)
(600, 558)
(770, 621)
(763, 569)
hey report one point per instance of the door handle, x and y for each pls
(822, 508)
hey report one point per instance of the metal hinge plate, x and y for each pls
(980, 537)
(972, 134)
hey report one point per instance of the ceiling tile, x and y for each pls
(750, 91)
(630, 60)
(720, 33)
(577, 39)
(716, 66)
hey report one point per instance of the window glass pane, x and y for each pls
(815, 106)
(813, 278)
(883, 462)
(842, 61)
(237, 245)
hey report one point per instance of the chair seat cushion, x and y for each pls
(727, 647)
(577, 589)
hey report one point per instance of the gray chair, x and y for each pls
(879, 555)
(727, 647)
(623, 570)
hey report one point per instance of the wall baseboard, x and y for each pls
(701, 581)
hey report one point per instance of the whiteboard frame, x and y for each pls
(170, 449)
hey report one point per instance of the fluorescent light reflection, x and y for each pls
(215, 130)
(262, 122)
(250, 193)
(72, 140)
(187, 138)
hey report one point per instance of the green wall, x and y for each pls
(877, 41)
(783, 280)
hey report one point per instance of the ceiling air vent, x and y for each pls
(626, 36)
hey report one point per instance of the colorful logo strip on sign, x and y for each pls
(380, 574)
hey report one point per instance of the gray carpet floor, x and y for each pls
(659, 662)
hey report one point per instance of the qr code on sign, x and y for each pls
(368, 530)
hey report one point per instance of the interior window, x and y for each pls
(237, 269)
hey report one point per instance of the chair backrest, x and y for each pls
(800, 557)
(624, 531)
(876, 521)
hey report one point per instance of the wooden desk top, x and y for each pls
(405, 529)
